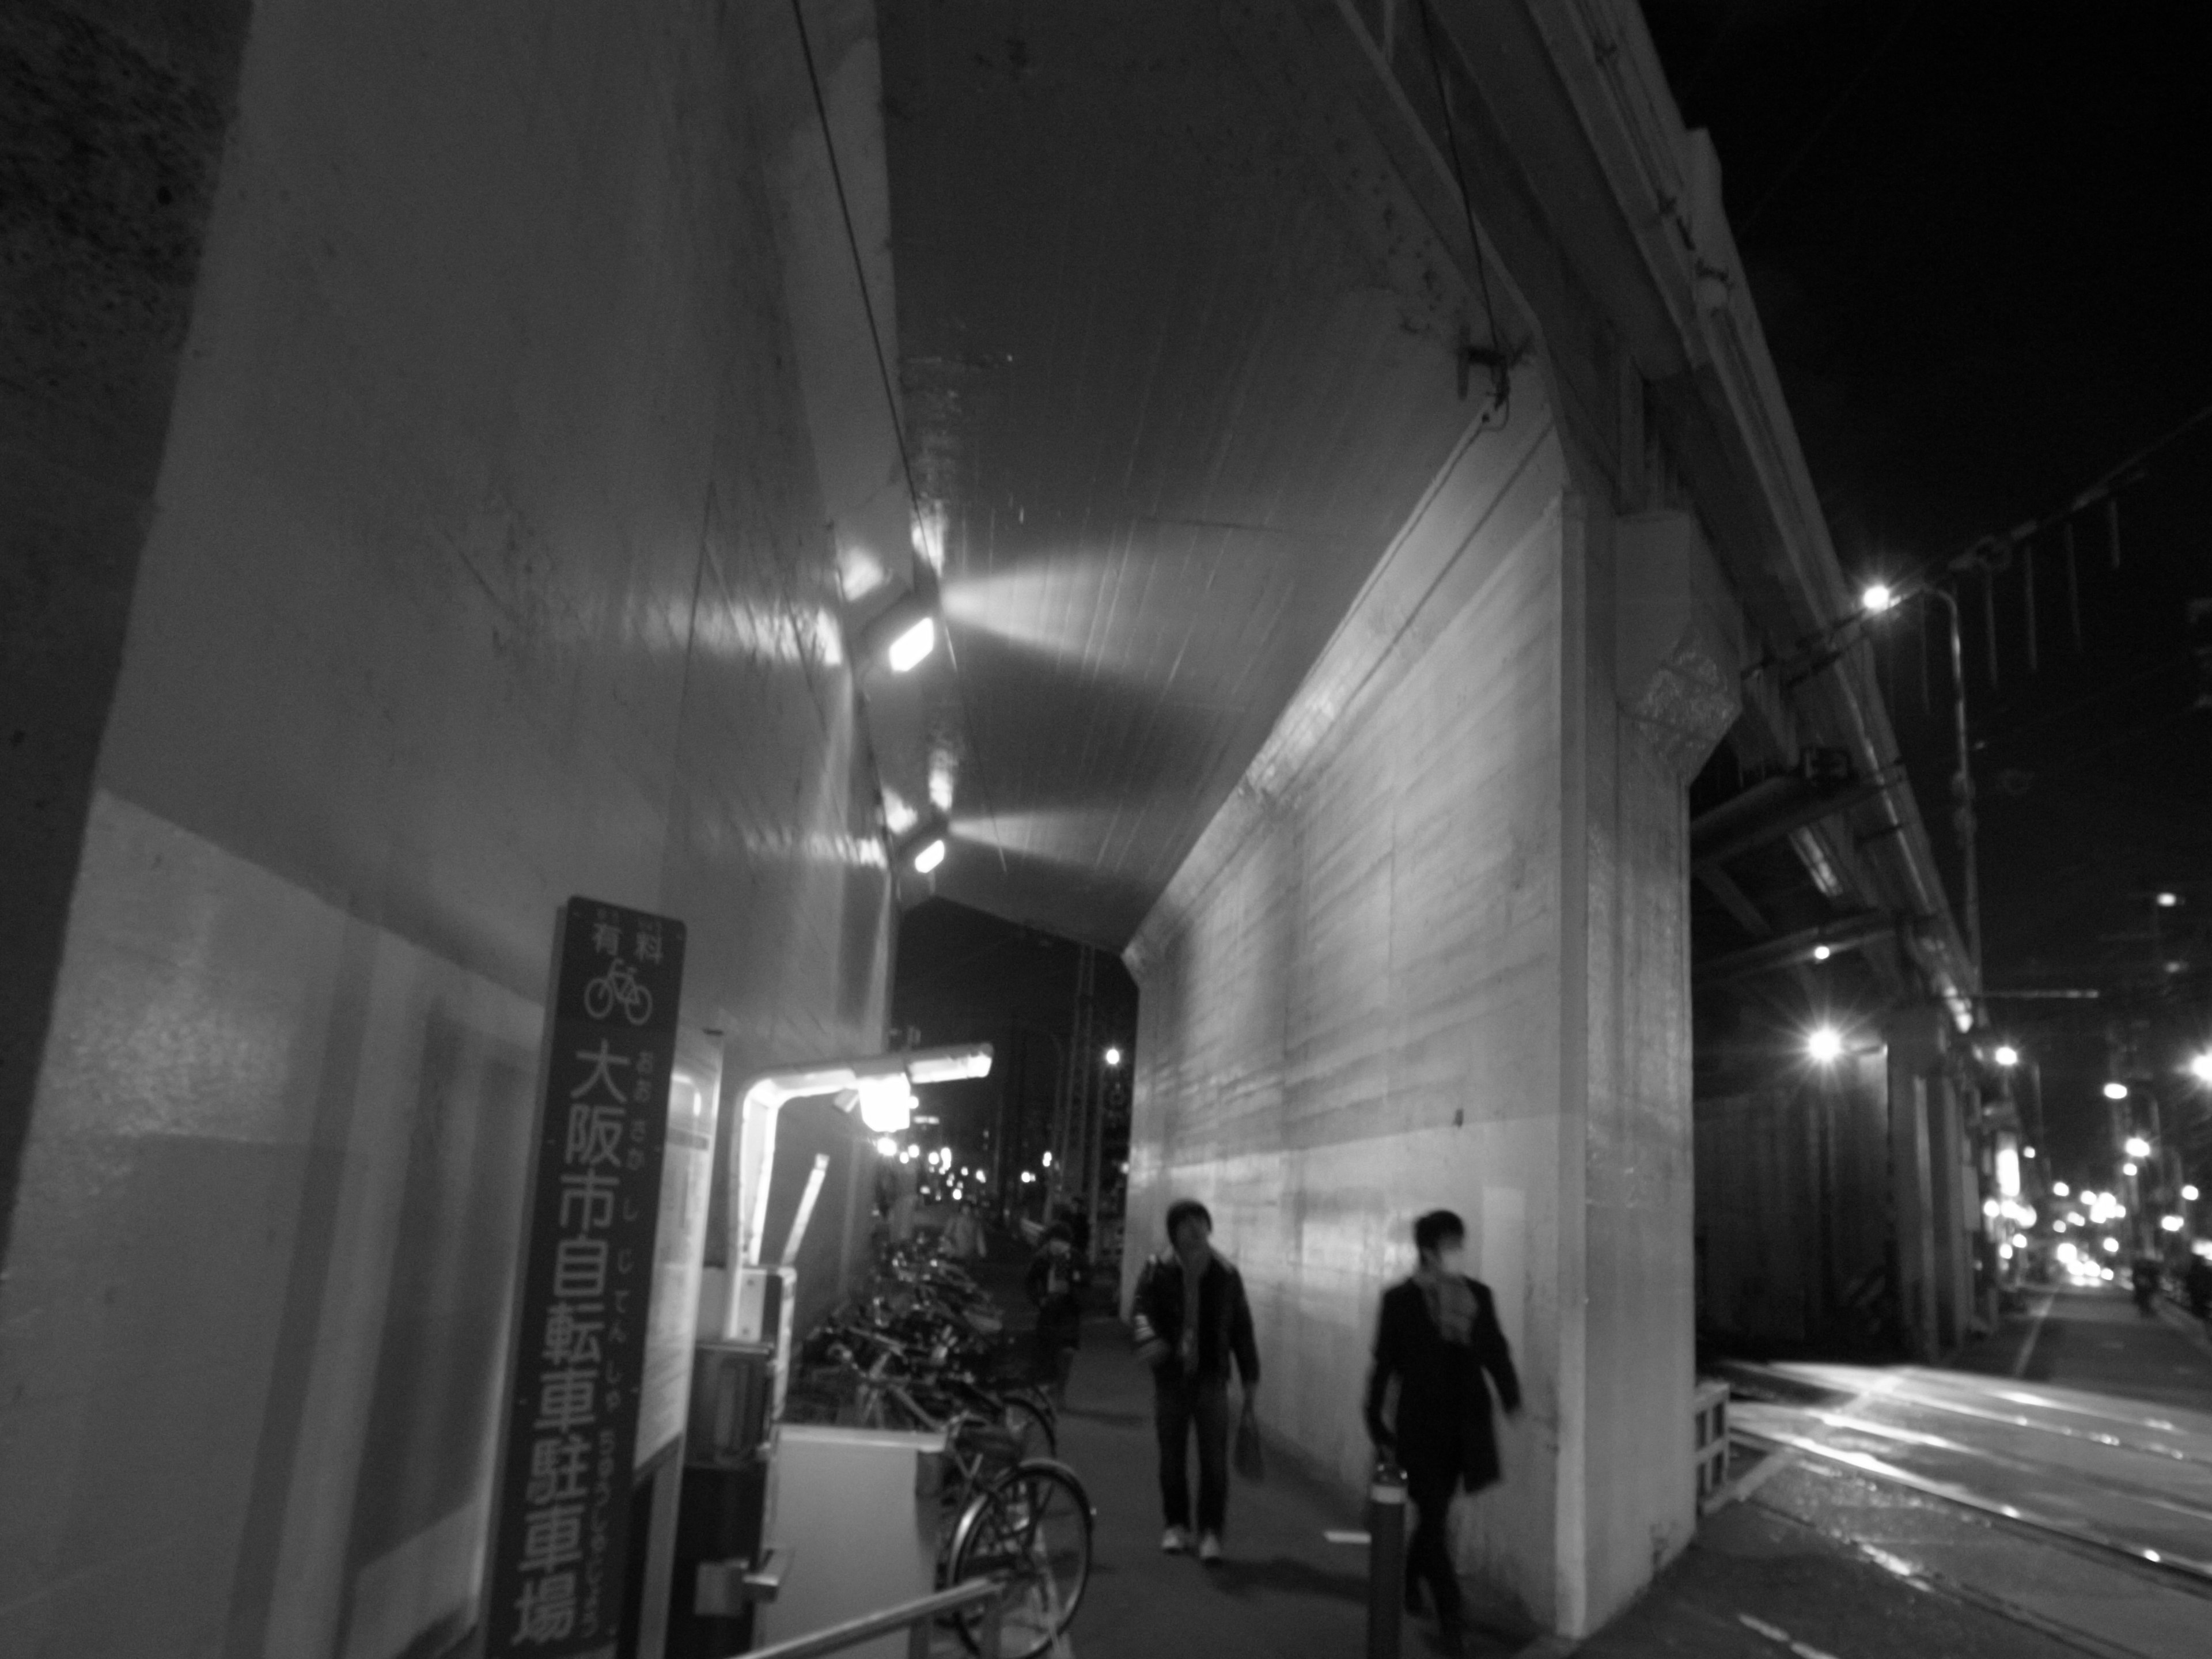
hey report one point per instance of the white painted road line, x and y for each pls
(1776, 1633)
(2034, 1330)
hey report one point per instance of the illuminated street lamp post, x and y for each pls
(1878, 599)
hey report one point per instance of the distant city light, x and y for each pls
(1045, 1160)
(1027, 1175)
(1112, 1057)
(2168, 900)
(2200, 1065)
(931, 856)
(2058, 1226)
(2171, 1224)
(2111, 1246)
(2115, 1091)
(1991, 1208)
(2137, 1147)
(2060, 1190)
(1824, 1044)
(2027, 1151)
(1821, 953)
(886, 1146)
(912, 645)
(2189, 1194)
(2007, 1054)
(2128, 1169)
(1877, 598)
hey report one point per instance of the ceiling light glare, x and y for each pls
(2189, 1194)
(2060, 1190)
(915, 643)
(2171, 1224)
(1821, 953)
(1824, 1044)
(1113, 1057)
(2137, 1147)
(2007, 1054)
(2128, 1169)
(1878, 598)
(929, 856)
(2168, 900)
(2115, 1091)
(2200, 1066)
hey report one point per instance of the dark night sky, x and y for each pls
(1975, 233)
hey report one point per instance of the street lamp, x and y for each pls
(1878, 599)
(2137, 1147)
(2200, 1067)
(2115, 1091)
(1112, 1057)
(1825, 1043)
(2007, 1054)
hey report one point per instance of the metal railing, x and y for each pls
(916, 1618)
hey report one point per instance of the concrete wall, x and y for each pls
(485, 566)
(1434, 952)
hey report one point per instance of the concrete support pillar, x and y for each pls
(1954, 1248)
(1434, 952)
(1915, 1038)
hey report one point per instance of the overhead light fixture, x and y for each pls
(886, 1146)
(1878, 598)
(912, 645)
(2060, 1190)
(1824, 1044)
(924, 846)
(1821, 953)
(2007, 1054)
(2137, 1147)
(2200, 1066)
(2027, 1151)
(2115, 1091)
(1112, 1057)
(2128, 1169)
(2171, 1224)
(2189, 1194)
(2168, 900)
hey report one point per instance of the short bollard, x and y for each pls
(1386, 1558)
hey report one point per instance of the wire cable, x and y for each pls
(1502, 386)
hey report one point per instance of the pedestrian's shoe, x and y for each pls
(1176, 1540)
(1209, 1548)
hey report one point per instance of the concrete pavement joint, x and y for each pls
(1931, 1582)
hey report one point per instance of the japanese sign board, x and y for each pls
(562, 1504)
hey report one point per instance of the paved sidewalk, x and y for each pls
(1764, 1579)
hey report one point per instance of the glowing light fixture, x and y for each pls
(2115, 1091)
(914, 643)
(1112, 1057)
(1821, 953)
(2200, 1065)
(886, 1146)
(1045, 1160)
(2189, 1194)
(1824, 1044)
(2168, 900)
(2137, 1147)
(2027, 1151)
(2171, 1224)
(929, 855)
(2112, 1247)
(2060, 1190)
(1878, 598)
(2129, 1168)
(2007, 1054)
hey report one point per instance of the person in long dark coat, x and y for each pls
(1437, 1335)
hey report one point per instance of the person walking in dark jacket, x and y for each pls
(1437, 1335)
(1191, 1319)
(1056, 1280)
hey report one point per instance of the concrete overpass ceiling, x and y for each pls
(1174, 379)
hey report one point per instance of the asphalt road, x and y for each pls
(2062, 1473)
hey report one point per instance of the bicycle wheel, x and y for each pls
(1032, 1527)
(1031, 1427)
